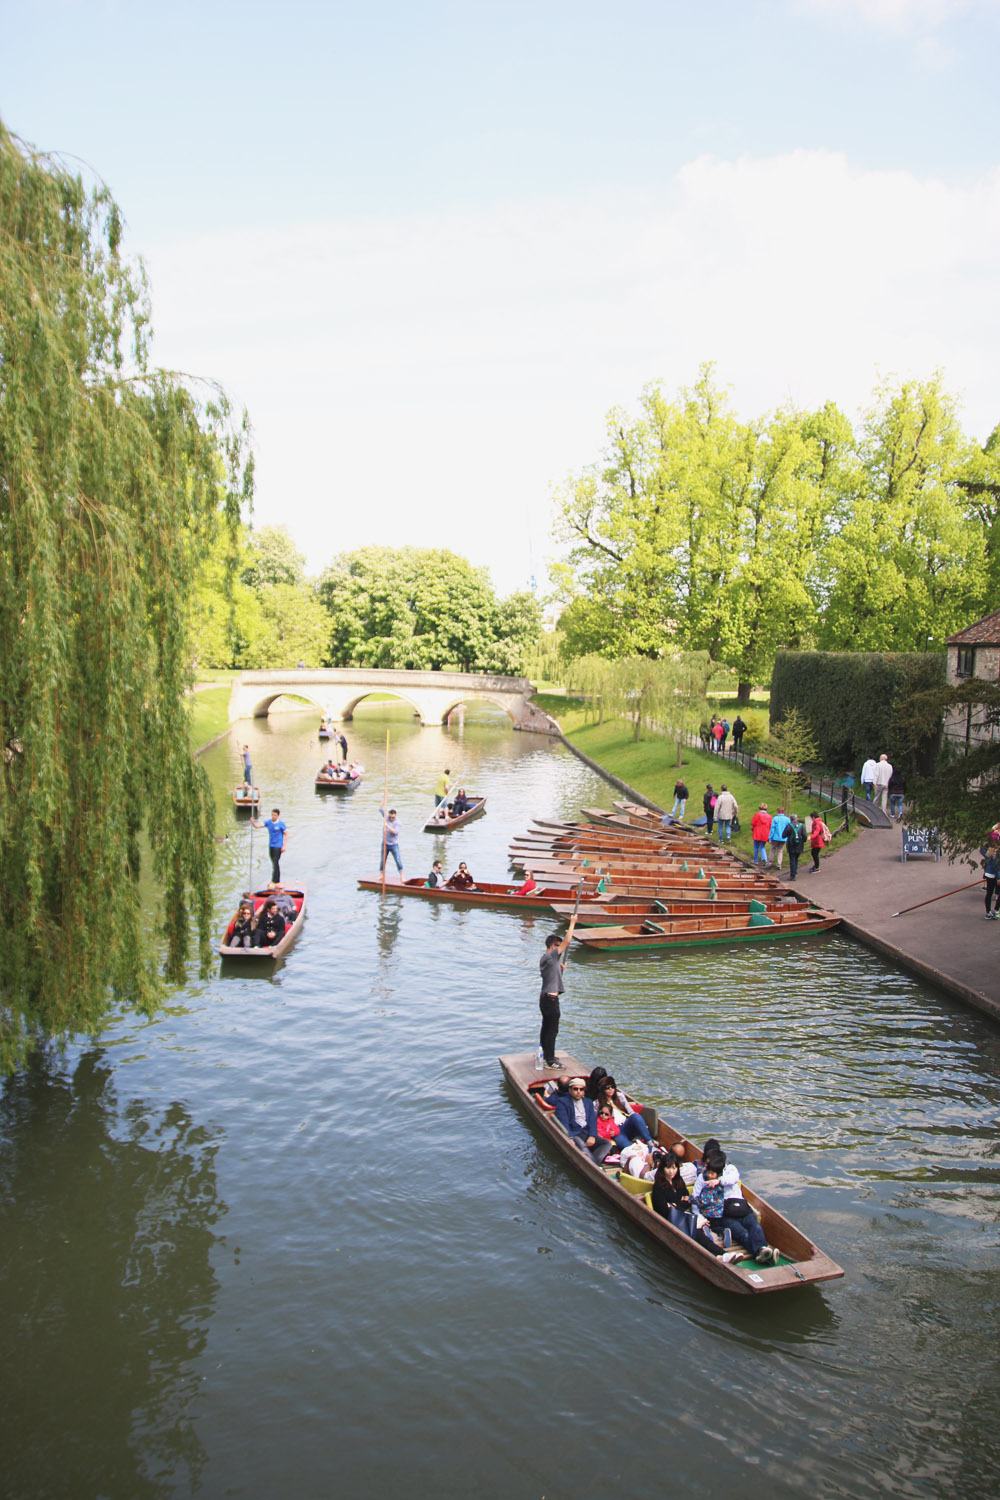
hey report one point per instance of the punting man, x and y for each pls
(552, 966)
(277, 840)
(390, 839)
(442, 787)
(247, 765)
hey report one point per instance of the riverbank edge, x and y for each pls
(951, 986)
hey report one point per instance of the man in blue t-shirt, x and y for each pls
(277, 838)
(777, 836)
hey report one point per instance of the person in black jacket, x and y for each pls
(708, 803)
(670, 1192)
(795, 842)
(739, 730)
(270, 927)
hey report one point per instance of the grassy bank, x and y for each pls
(209, 714)
(649, 764)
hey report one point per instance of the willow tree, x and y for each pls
(114, 479)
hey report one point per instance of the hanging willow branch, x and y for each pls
(114, 478)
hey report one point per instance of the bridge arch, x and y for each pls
(467, 698)
(348, 706)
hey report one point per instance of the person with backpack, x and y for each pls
(819, 837)
(795, 842)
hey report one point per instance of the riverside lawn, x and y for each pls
(650, 766)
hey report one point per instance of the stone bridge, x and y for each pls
(337, 691)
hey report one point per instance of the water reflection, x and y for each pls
(108, 1286)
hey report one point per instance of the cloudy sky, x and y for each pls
(431, 245)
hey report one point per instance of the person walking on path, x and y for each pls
(681, 795)
(552, 966)
(390, 839)
(726, 726)
(277, 840)
(778, 836)
(760, 829)
(708, 803)
(739, 730)
(819, 837)
(883, 775)
(897, 791)
(795, 842)
(868, 779)
(726, 808)
(991, 871)
(717, 733)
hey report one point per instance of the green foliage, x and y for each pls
(756, 731)
(850, 700)
(295, 627)
(790, 745)
(272, 558)
(961, 798)
(426, 609)
(113, 477)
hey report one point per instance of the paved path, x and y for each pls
(950, 942)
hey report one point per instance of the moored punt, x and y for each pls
(651, 881)
(483, 894)
(442, 820)
(616, 913)
(337, 783)
(246, 801)
(694, 932)
(292, 929)
(800, 1263)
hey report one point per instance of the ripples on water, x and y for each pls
(337, 1260)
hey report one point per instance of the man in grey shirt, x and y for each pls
(551, 966)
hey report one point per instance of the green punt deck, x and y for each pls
(756, 927)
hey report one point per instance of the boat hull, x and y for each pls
(262, 955)
(337, 784)
(808, 1263)
(485, 895)
(448, 824)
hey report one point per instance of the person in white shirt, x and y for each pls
(726, 808)
(868, 778)
(883, 775)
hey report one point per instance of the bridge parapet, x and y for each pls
(337, 691)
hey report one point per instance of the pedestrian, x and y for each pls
(247, 766)
(681, 795)
(760, 829)
(991, 873)
(726, 809)
(277, 840)
(390, 839)
(795, 842)
(708, 803)
(726, 726)
(739, 730)
(704, 734)
(868, 779)
(778, 836)
(717, 735)
(819, 837)
(897, 790)
(883, 775)
(552, 966)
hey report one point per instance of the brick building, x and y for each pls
(973, 652)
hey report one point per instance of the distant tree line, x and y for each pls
(697, 531)
(413, 607)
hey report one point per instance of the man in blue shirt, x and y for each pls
(277, 838)
(777, 836)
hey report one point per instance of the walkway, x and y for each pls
(949, 943)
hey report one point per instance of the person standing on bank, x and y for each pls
(795, 842)
(708, 803)
(739, 730)
(868, 779)
(277, 840)
(552, 966)
(681, 795)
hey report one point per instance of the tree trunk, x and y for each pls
(680, 747)
(743, 694)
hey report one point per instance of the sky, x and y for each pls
(431, 245)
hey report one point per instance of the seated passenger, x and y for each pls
(329, 771)
(242, 934)
(436, 877)
(670, 1193)
(721, 1206)
(461, 880)
(461, 803)
(270, 928)
(594, 1082)
(579, 1117)
(528, 886)
(284, 901)
(354, 770)
(607, 1129)
(638, 1160)
(631, 1126)
(246, 789)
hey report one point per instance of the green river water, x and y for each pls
(293, 1239)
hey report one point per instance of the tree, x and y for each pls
(961, 798)
(227, 625)
(272, 557)
(296, 628)
(789, 746)
(112, 478)
(688, 675)
(517, 626)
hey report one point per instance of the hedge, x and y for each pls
(850, 697)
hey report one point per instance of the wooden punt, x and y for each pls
(243, 802)
(258, 898)
(802, 1262)
(616, 913)
(482, 894)
(695, 932)
(326, 732)
(442, 821)
(652, 881)
(337, 783)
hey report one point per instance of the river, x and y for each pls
(292, 1238)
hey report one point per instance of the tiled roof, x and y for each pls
(985, 632)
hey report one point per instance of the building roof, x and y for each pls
(985, 632)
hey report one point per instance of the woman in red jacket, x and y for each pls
(760, 827)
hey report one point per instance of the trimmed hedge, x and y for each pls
(850, 697)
